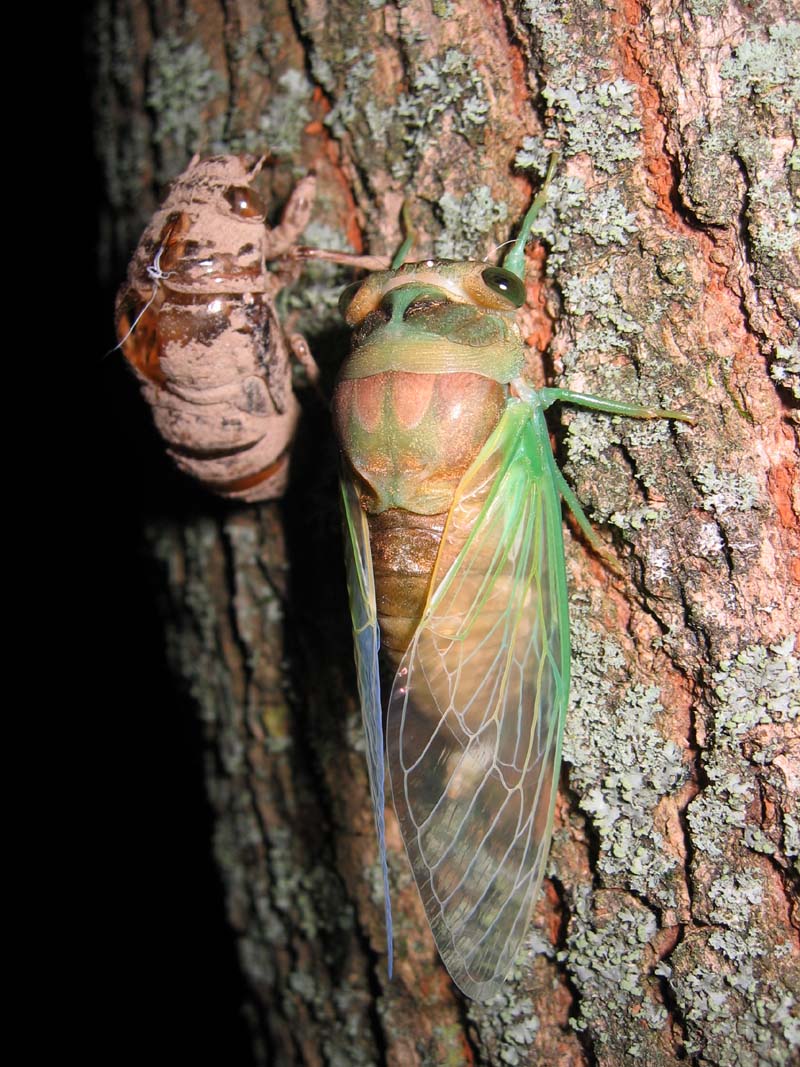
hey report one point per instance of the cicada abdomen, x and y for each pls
(452, 503)
(197, 322)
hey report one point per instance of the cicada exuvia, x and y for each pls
(197, 322)
(455, 558)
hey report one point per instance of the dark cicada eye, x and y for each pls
(506, 284)
(244, 202)
(346, 299)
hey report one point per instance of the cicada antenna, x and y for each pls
(493, 252)
(156, 275)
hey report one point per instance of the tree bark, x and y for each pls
(667, 931)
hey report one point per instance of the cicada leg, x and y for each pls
(610, 407)
(546, 397)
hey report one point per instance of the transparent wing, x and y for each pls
(361, 590)
(477, 707)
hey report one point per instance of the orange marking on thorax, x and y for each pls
(411, 397)
(368, 401)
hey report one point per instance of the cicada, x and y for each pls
(197, 322)
(455, 561)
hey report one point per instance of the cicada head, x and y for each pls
(441, 316)
(435, 316)
(415, 286)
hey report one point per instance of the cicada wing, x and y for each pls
(477, 708)
(361, 590)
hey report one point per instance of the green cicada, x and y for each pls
(452, 503)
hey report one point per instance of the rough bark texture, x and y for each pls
(668, 929)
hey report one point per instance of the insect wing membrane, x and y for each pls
(361, 591)
(477, 708)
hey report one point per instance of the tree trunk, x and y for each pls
(668, 927)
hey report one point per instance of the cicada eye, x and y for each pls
(346, 298)
(244, 202)
(505, 284)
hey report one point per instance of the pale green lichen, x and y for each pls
(572, 214)
(739, 1009)
(621, 766)
(552, 20)
(722, 806)
(590, 436)
(785, 369)
(448, 84)
(599, 119)
(606, 219)
(767, 72)
(590, 441)
(727, 491)
(534, 155)
(737, 1005)
(507, 1025)
(558, 219)
(599, 213)
(634, 518)
(732, 895)
(445, 87)
(252, 44)
(315, 297)
(595, 296)
(759, 685)
(466, 222)
(282, 124)
(707, 8)
(348, 107)
(181, 85)
(737, 1014)
(607, 961)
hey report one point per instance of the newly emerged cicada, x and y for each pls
(197, 322)
(452, 503)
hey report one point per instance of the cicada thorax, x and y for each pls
(198, 324)
(409, 436)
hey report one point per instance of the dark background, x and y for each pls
(162, 983)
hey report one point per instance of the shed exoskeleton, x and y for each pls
(197, 322)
